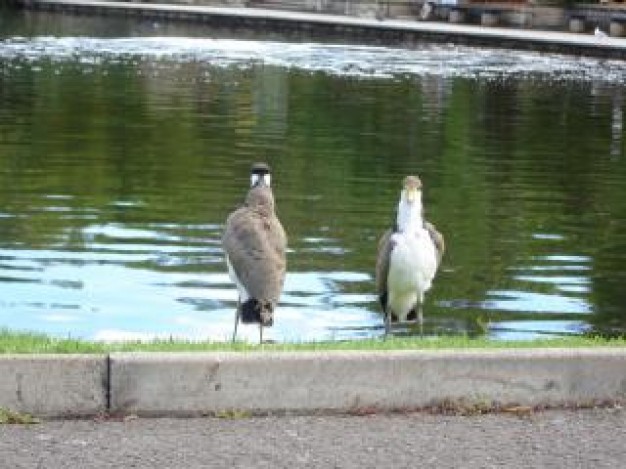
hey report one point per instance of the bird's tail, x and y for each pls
(255, 311)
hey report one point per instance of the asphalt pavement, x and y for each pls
(593, 438)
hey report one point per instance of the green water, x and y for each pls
(124, 145)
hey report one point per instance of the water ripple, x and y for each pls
(344, 60)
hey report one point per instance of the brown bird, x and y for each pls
(255, 245)
(408, 258)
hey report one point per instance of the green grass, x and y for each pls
(31, 342)
(8, 417)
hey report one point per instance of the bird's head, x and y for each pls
(409, 215)
(412, 190)
(260, 175)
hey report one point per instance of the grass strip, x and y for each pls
(17, 342)
(10, 417)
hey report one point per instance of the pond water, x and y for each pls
(124, 145)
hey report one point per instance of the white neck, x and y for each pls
(255, 178)
(410, 214)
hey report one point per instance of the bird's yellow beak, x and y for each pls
(411, 194)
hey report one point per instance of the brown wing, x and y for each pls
(437, 238)
(382, 262)
(256, 246)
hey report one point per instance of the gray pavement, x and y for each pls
(561, 439)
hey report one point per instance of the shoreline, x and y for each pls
(371, 31)
(266, 381)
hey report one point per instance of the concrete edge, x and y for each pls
(391, 32)
(54, 385)
(210, 383)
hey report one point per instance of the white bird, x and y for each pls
(408, 258)
(599, 33)
(255, 245)
(427, 10)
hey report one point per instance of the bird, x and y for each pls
(599, 33)
(255, 246)
(409, 255)
(427, 10)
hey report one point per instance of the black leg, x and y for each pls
(236, 319)
(383, 303)
(420, 320)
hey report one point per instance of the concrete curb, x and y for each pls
(180, 384)
(54, 385)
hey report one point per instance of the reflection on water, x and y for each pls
(344, 60)
(121, 157)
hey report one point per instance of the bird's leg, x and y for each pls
(236, 318)
(419, 319)
(260, 334)
(387, 323)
